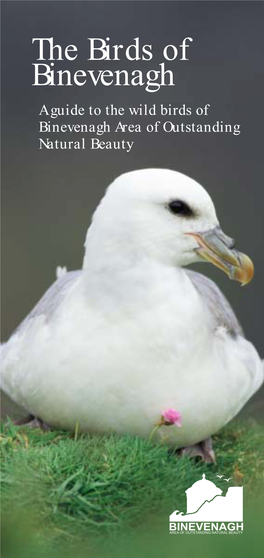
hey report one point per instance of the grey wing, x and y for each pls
(46, 307)
(216, 302)
(52, 299)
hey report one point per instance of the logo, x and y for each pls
(209, 511)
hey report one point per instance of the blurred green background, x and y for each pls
(48, 196)
(112, 496)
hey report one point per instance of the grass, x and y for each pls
(59, 492)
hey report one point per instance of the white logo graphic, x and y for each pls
(208, 510)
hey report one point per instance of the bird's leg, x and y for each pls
(32, 422)
(204, 450)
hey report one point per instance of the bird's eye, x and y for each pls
(179, 207)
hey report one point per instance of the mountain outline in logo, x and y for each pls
(207, 504)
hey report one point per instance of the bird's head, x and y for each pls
(167, 216)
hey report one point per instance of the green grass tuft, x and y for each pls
(57, 490)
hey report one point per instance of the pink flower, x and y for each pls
(171, 417)
(168, 418)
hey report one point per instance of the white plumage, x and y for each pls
(133, 333)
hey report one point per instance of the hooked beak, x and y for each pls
(217, 248)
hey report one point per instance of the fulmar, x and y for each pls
(110, 347)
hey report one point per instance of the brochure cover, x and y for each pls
(132, 214)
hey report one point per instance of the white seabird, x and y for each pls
(134, 333)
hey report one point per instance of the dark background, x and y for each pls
(48, 196)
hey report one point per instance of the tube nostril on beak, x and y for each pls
(217, 248)
(227, 240)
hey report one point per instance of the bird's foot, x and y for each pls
(32, 422)
(204, 450)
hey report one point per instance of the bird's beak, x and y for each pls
(217, 248)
